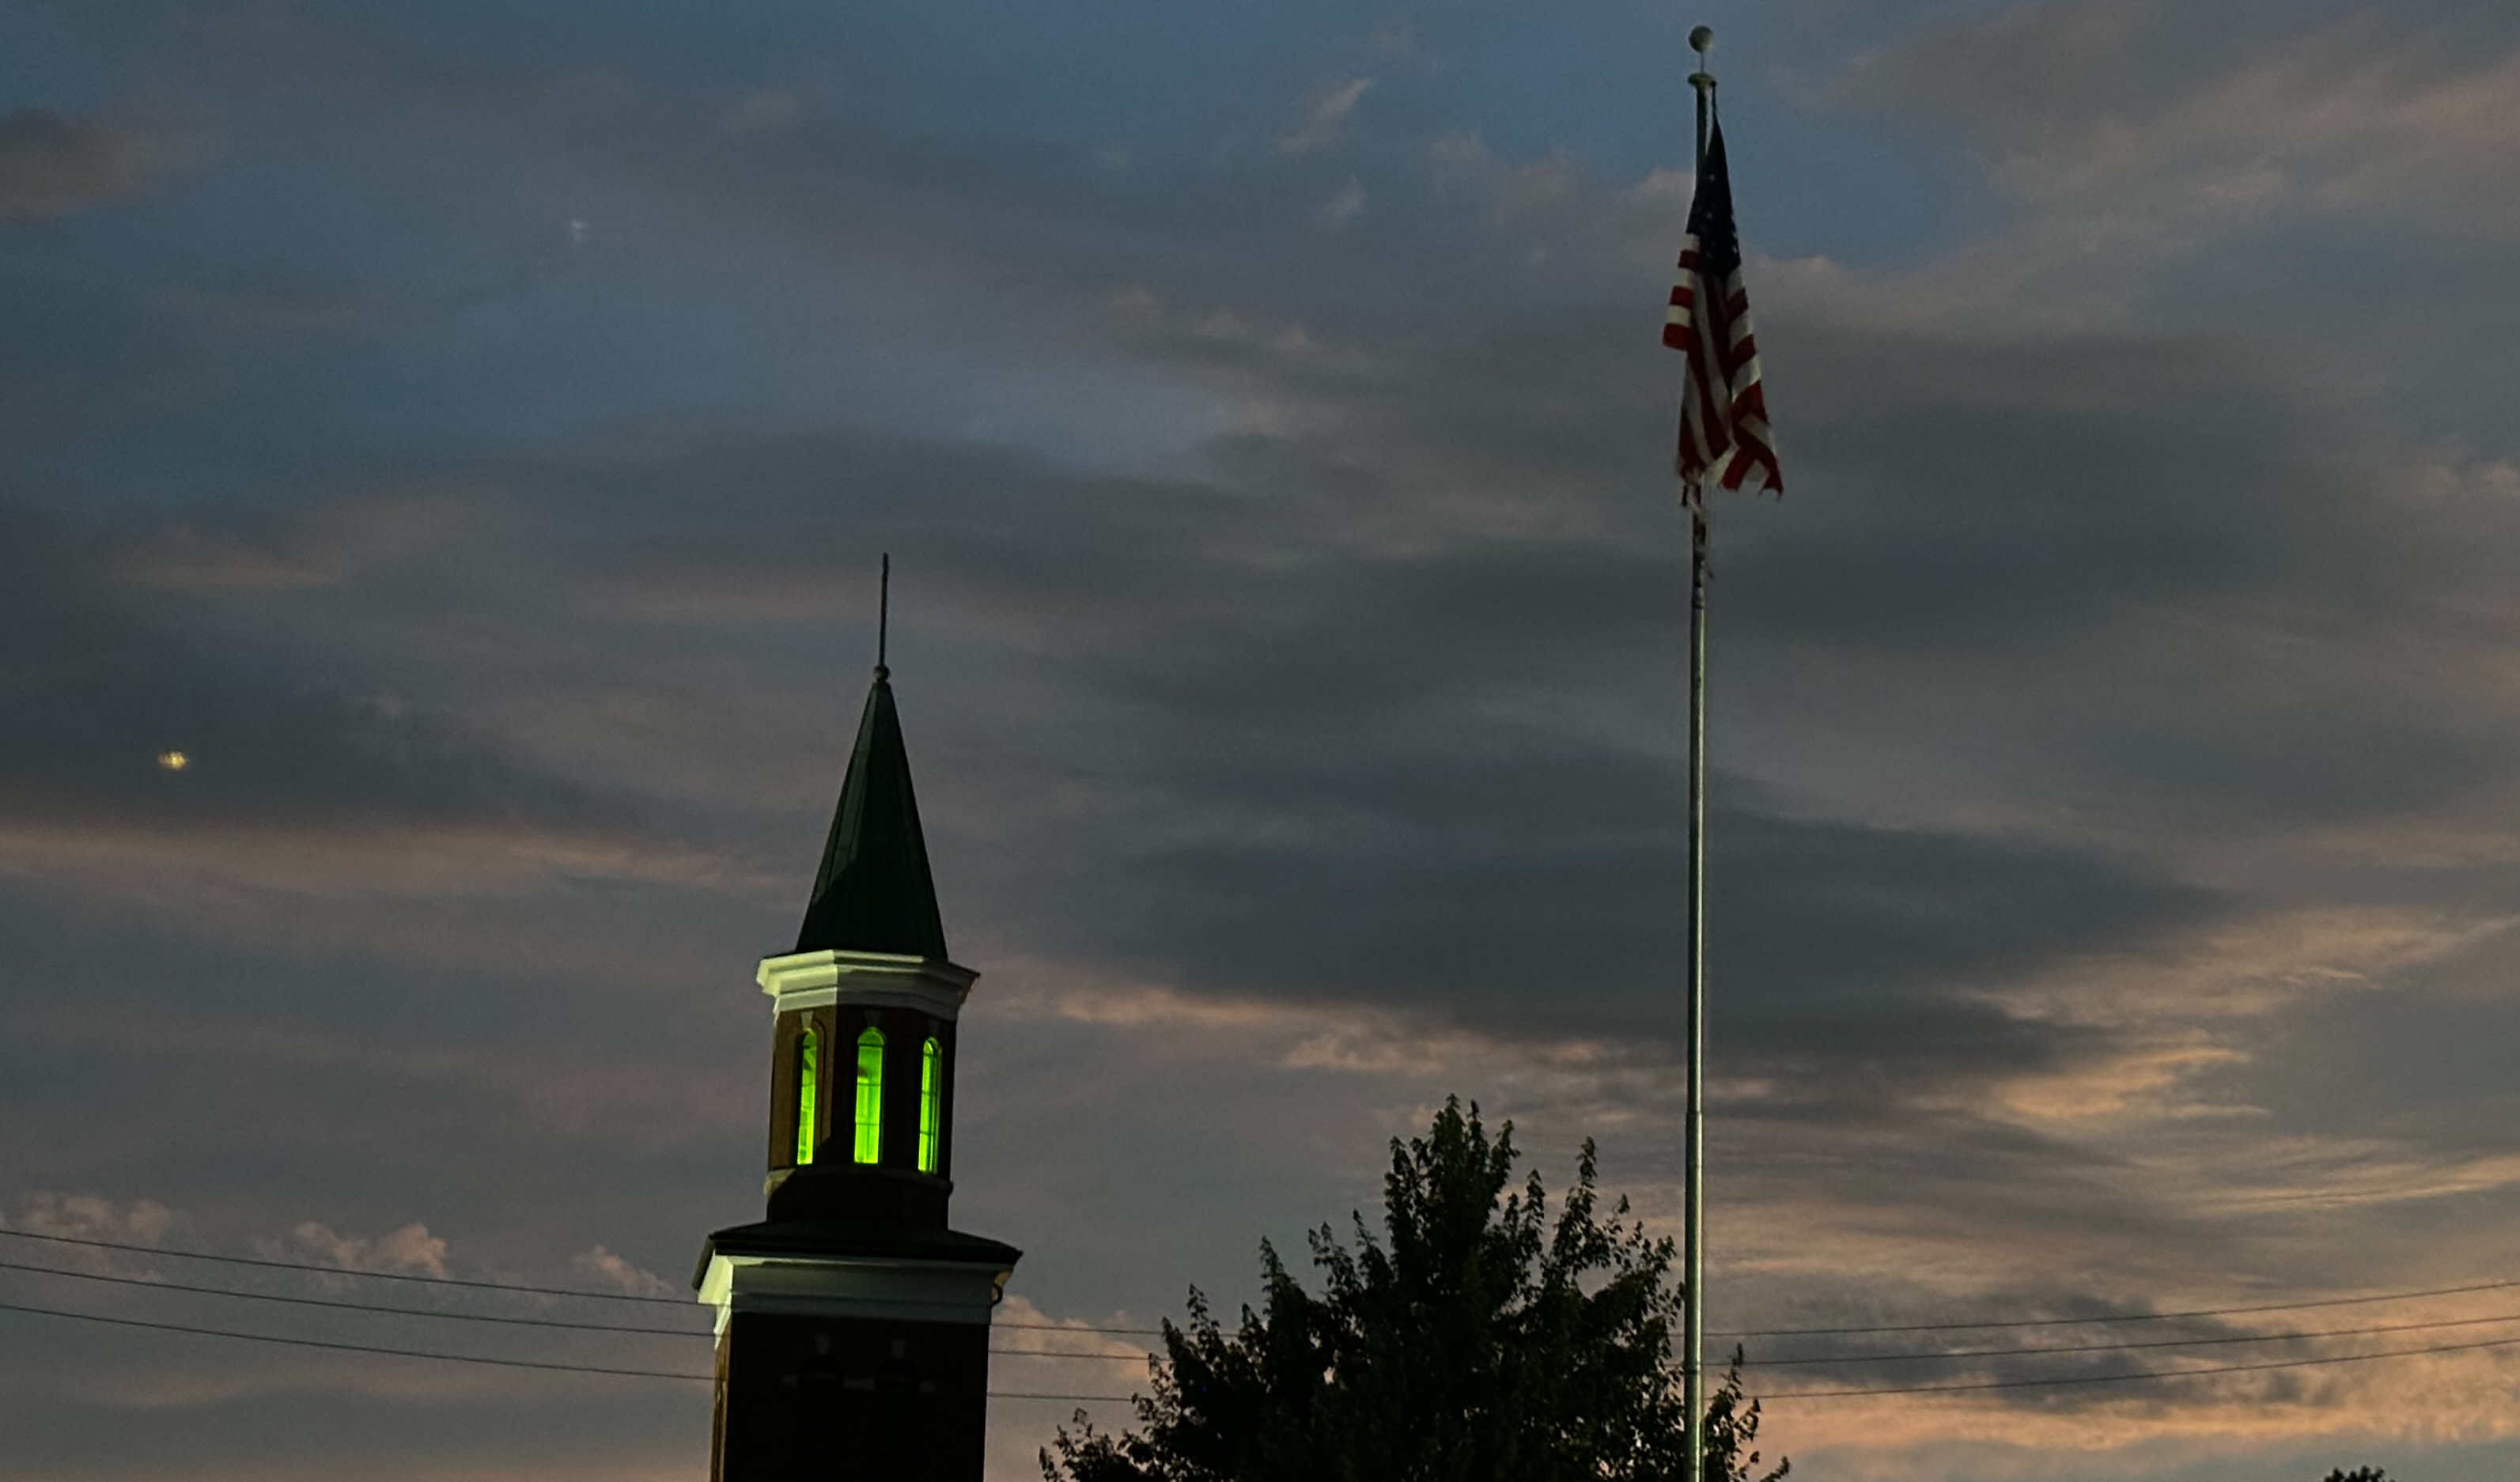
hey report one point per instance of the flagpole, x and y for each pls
(1693, 1275)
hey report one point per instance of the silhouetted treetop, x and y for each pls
(1476, 1339)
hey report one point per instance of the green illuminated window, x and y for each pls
(931, 1102)
(871, 1096)
(809, 1057)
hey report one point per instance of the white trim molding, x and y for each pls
(876, 979)
(867, 1286)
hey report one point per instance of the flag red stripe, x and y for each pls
(1724, 437)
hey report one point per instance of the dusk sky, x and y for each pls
(468, 431)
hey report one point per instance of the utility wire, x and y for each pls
(2128, 1317)
(402, 1353)
(1080, 1328)
(456, 1358)
(2011, 1353)
(2127, 1379)
(2122, 1317)
(1076, 1327)
(1141, 1355)
(400, 1312)
(471, 1316)
(1821, 1332)
(1802, 1394)
(1971, 1353)
(509, 1286)
(338, 1271)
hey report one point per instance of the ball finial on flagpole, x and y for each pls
(1702, 40)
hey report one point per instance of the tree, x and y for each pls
(2358, 1474)
(1474, 1342)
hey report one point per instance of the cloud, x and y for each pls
(2130, 129)
(765, 112)
(52, 165)
(1538, 189)
(89, 1217)
(250, 554)
(1325, 115)
(614, 1270)
(1343, 206)
(411, 1250)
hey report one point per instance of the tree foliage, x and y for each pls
(2358, 1474)
(1474, 1341)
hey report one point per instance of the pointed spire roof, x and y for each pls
(874, 892)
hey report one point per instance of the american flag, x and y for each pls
(1724, 436)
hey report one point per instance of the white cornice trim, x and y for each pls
(876, 979)
(864, 1287)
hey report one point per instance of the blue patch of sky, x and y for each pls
(1159, 80)
(500, 298)
(1608, 85)
(1163, 81)
(44, 70)
(72, 58)
(1080, 72)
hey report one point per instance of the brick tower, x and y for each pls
(852, 1325)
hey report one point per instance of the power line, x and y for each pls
(2107, 1318)
(339, 1271)
(1079, 1329)
(2125, 1317)
(402, 1353)
(1964, 1353)
(457, 1358)
(1117, 1332)
(471, 1317)
(1082, 1398)
(1142, 1355)
(506, 1287)
(2130, 1317)
(2011, 1353)
(400, 1312)
(522, 1288)
(2127, 1379)
(476, 1285)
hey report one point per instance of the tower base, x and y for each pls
(851, 1350)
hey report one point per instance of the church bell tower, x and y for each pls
(852, 1322)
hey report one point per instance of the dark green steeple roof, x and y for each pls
(874, 892)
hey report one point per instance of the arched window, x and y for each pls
(931, 1102)
(809, 1075)
(871, 1096)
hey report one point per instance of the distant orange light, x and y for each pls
(173, 761)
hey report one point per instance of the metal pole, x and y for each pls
(1693, 1272)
